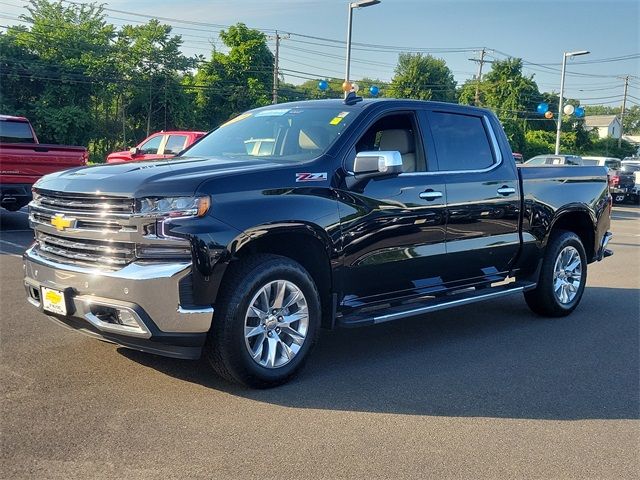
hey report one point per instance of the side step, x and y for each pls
(431, 305)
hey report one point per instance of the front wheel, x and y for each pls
(265, 323)
(562, 278)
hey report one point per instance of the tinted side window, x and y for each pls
(175, 144)
(15, 132)
(151, 146)
(461, 142)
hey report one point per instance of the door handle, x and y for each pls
(430, 195)
(504, 190)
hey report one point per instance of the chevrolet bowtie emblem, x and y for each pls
(61, 222)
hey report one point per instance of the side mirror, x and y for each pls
(134, 151)
(372, 164)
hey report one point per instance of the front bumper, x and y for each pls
(149, 294)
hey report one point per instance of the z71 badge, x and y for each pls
(311, 177)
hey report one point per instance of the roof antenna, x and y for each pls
(352, 98)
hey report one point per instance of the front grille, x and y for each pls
(98, 231)
(90, 204)
(85, 252)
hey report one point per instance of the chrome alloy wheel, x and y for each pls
(567, 274)
(276, 324)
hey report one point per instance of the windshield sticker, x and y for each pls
(277, 112)
(338, 118)
(311, 177)
(236, 119)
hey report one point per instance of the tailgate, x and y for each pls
(26, 163)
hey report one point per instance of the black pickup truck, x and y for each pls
(298, 216)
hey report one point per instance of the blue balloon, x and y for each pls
(579, 112)
(374, 91)
(323, 85)
(543, 108)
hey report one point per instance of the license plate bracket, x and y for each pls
(55, 301)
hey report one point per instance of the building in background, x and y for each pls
(606, 125)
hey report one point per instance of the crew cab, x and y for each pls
(23, 160)
(304, 215)
(156, 146)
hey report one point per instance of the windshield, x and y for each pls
(283, 134)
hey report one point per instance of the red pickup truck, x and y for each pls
(157, 146)
(23, 160)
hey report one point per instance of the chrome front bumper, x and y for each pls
(149, 293)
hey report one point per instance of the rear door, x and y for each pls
(174, 145)
(483, 196)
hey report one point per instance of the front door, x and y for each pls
(393, 227)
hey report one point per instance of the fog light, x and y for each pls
(126, 317)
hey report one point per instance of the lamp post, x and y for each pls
(352, 5)
(564, 66)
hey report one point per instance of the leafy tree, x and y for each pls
(152, 96)
(608, 147)
(422, 77)
(57, 60)
(238, 80)
(540, 142)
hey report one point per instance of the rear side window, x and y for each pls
(461, 142)
(175, 144)
(15, 132)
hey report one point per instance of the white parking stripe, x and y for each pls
(16, 245)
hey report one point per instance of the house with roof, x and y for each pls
(606, 125)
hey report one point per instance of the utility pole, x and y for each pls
(624, 104)
(480, 63)
(275, 70)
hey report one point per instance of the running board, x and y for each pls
(431, 305)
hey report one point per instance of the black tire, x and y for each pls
(225, 348)
(542, 300)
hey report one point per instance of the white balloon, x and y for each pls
(355, 87)
(568, 109)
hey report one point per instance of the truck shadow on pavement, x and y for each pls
(492, 360)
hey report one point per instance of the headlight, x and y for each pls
(174, 206)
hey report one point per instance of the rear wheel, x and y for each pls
(562, 278)
(265, 323)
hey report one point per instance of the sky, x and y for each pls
(539, 31)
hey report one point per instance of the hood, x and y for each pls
(172, 177)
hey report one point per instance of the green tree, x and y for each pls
(233, 82)
(422, 77)
(152, 96)
(62, 64)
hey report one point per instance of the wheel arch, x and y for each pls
(581, 221)
(307, 244)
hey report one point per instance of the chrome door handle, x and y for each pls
(506, 191)
(430, 195)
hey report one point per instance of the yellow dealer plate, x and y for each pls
(53, 301)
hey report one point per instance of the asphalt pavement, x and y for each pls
(483, 391)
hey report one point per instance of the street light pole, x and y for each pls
(564, 66)
(348, 59)
(351, 6)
